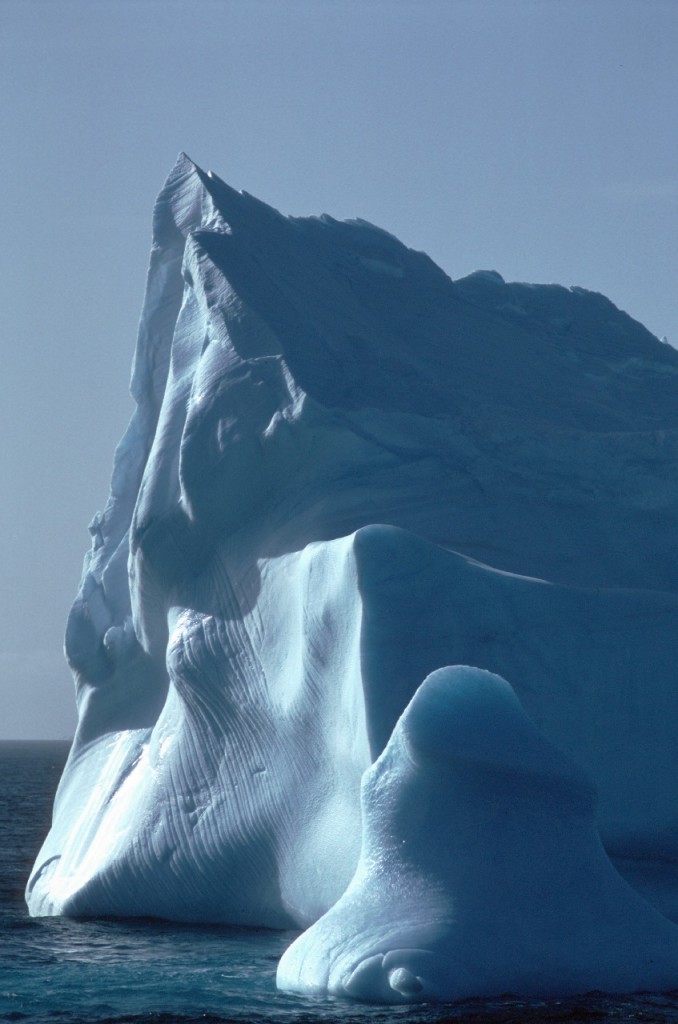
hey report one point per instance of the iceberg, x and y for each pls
(481, 868)
(345, 475)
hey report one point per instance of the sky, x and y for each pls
(537, 138)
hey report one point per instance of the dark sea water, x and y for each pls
(150, 972)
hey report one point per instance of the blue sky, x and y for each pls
(534, 137)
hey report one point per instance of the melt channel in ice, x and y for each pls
(345, 472)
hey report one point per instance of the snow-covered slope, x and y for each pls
(246, 639)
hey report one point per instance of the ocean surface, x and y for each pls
(151, 972)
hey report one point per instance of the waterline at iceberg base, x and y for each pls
(377, 636)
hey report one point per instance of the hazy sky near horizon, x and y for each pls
(534, 137)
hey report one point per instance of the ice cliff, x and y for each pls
(346, 472)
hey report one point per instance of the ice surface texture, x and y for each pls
(344, 472)
(481, 869)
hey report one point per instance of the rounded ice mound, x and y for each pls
(481, 871)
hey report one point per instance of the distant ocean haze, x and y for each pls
(50, 713)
